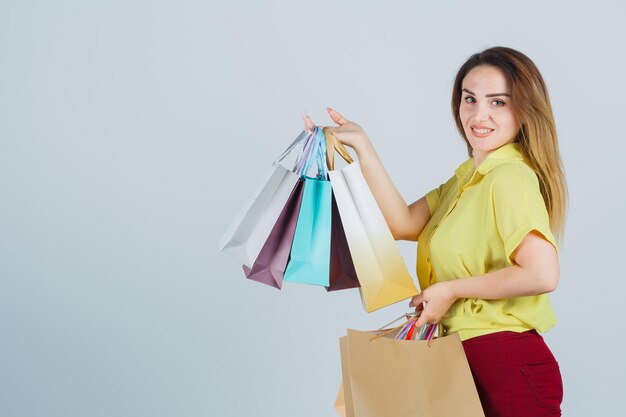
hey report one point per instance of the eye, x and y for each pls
(470, 97)
(499, 101)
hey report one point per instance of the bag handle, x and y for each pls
(332, 145)
(407, 329)
(322, 167)
(305, 153)
(384, 331)
(310, 153)
(314, 150)
(305, 134)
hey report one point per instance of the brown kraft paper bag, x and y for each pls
(385, 377)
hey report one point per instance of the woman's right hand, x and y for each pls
(348, 133)
(404, 222)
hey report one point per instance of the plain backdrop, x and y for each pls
(131, 133)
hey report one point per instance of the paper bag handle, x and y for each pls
(410, 318)
(301, 137)
(332, 145)
(311, 152)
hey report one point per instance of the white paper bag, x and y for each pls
(251, 227)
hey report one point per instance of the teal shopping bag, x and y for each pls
(309, 261)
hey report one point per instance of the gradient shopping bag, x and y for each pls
(381, 271)
(269, 267)
(251, 227)
(309, 261)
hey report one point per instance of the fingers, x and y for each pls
(337, 118)
(425, 319)
(420, 322)
(308, 122)
(417, 300)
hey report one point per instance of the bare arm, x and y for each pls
(419, 214)
(405, 221)
(536, 271)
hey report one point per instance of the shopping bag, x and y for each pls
(342, 273)
(309, 261)
(340, 402)
(383, 377)
(251, 227)
(381, 271)
(269, 267)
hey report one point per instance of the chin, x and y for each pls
(483, 145)
(477, 146)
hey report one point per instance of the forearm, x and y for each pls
(391, 203)
(512, 281)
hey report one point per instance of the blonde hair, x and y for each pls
(537, 136)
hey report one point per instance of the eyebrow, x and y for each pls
(487, 95)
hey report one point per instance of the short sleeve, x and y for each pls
(432, 198)
(518, 206)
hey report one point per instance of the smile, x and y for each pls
(482, 130)
(481, 133)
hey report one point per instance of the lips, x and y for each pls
(482, 134)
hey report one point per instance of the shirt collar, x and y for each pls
(505, 153)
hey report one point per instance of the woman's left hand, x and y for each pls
(439, 298)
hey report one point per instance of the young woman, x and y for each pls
(487, 254)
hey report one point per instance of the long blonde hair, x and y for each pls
(537, 134)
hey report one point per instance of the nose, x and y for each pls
(482, 112)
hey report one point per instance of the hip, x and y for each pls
(516, 374)
(511, 347)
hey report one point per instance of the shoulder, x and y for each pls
(447, 185)
(513, 174)
(450, 182)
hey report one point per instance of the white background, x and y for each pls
(132, 132)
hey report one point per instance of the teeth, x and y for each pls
(482, 130)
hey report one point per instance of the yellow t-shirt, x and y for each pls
(478, 218)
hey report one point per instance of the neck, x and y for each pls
(478, 158)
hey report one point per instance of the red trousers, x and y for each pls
(516, 374)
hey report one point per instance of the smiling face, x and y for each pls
(485, 111)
